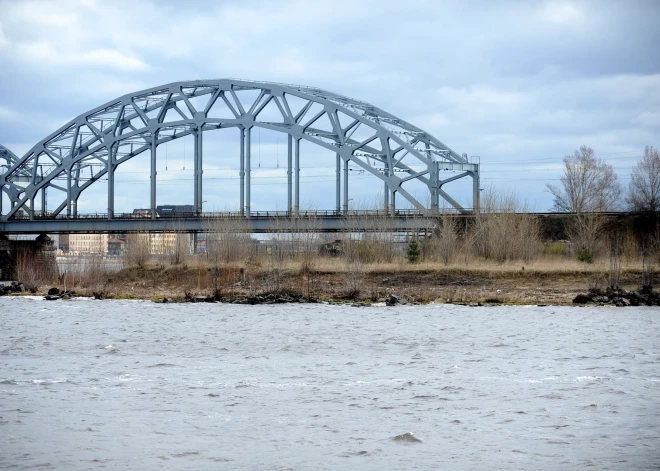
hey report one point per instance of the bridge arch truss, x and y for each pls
(94, 144)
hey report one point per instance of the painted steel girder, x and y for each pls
(123, 128)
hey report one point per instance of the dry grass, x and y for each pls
(543, 264)
(548, 279)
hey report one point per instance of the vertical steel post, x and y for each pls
(153, 176)
(111, 182)
(198, 171)
(345, 187)
(338, 186)
(241, 172)
(289, 175)
(393, 203)
(475, 189)
(248, 154)
(297, 176)
(68, 192)
(386, 189)
(195, 170)
(77, 192)
(43, 201)
(435, 181)
(32, 208)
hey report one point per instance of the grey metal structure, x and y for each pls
(95, 143)
(260, 222)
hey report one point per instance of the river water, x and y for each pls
(130, 384)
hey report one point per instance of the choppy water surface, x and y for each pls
(126, 384)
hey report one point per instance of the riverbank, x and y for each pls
(555, 282)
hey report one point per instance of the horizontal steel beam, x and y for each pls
(399, 223)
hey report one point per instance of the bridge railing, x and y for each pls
(226, 214)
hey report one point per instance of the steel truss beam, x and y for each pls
(95, 143)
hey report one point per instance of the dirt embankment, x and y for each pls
(543, 284)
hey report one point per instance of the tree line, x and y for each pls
(588, 184)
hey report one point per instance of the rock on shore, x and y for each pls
(620, 297)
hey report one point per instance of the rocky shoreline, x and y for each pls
(477, 288)
(619, 297)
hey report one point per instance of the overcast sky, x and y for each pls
(518, 83)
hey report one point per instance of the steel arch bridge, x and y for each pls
(95, 143)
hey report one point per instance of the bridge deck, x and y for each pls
(258, 222)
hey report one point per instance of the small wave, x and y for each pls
(184, 454)
(348, 454)
(162, 365)
(8, 381)
(245, 384)
(553, 396)
(407, 437)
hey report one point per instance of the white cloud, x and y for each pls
(3, 39)
(561, 12)
(7, 114)
(648, 119)
(43, 53)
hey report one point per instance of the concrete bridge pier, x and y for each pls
(29, 261)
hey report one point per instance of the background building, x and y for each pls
(88, 244)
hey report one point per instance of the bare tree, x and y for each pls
(178, 249)
(504, 229)
(644, 192)
(444, 242)
(227, 246)
(138, 250)
(588, 184)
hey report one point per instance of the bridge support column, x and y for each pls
(111, 182)
(43, 201)
(289, 175)
(386, 190)
(338, 187)
(248, 145)
(297, 176)
(68, 193)
(393, 204)
(241, 172)
(153, 176)
(475, 190)
(434, 178)
(198, 170)
(345, 187)
(76, 191)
